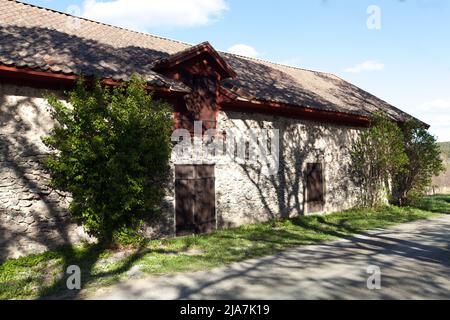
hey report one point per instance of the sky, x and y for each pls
(398, 50)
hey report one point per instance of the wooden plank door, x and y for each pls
(184, 199)
(314, 187)
(195, 199)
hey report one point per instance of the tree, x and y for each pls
(112, 148)
(377, 155)
(424, 162)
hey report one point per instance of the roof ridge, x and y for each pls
(275, 63)
(373, 95)
(165, 38)
(103, 23)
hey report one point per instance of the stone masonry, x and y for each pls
(244, 195)
(34, 218)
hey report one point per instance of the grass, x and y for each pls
(437, 203)
(43, 274)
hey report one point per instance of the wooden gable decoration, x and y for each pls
(202, 69)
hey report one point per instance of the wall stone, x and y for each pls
(34, 218)
(244, 195)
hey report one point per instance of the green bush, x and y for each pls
(394, 161)
(129, 237)
(377, 155)
(112, 148)
(424, 162)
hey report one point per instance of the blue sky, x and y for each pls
(406, 61)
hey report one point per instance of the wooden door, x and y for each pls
(195, 200)
(314, 187)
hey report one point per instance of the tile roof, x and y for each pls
(47, 40)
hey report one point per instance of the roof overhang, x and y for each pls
(296, 112)
(184, 56)
(48, 79)
(230, 101)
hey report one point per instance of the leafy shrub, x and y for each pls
(377, 155)
(129, 237)
(395, 162)
(112, 149)
(424, 162)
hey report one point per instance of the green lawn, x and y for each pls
(42, 275)
(437, 203)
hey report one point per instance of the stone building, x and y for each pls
(316, 114)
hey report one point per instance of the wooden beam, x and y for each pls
(297, 112)
(53, 80)
(47, 79)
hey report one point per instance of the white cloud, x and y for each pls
(366, 66)
(439, 124)
(442, 132)
(144, 14)
(437, 105)
(437, 114)
(244, 50)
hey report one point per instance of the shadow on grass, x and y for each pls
(86, 258)
(219, 248)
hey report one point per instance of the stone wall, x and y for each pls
(245, 195)
(33, 218)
